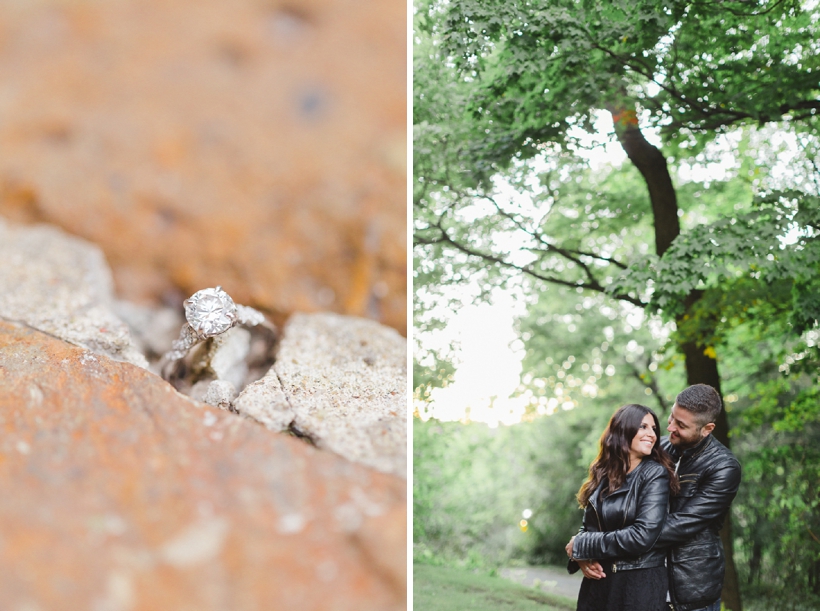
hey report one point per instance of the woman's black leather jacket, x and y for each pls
(620, 531)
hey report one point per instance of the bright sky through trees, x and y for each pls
(489, 364)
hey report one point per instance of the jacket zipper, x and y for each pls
(626, 502)
(595, 510)
(626, 506)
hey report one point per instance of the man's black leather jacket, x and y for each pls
(620, 531)
(709, 477)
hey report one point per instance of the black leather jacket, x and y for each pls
(620, 531)
(709, 478)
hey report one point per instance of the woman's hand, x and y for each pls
(591, 569)
(569, 548)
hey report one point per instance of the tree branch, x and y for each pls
(724, 116)
(723, 6)
(529, 270)
(651, 384)
(646, 71)
(570, 254)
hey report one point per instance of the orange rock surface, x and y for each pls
(255, 144)
(117, 493)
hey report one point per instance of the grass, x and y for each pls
(442, 588)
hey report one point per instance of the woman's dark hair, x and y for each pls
(612, 462)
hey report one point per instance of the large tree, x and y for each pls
(498, 83)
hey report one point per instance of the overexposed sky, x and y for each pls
(490, 366)
(489, 355)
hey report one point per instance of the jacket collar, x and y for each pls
(625, 486)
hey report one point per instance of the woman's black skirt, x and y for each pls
(637, 590)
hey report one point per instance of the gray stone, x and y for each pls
(153, 328)
(62, 285)
(220, 393)
(198, 390)
(265, 402)
(340, 381)
(226, 356)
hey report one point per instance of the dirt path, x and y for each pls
(548, 578)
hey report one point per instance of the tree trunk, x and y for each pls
(731, 583)
(700, 367)
(755, 562)
(814, 577)
(652, 165)
(703, 369)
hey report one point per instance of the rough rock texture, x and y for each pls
(256, 144)
(341, 381)
(220, 394)
(117, 493)
(62, 285)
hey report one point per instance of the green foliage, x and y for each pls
(805, 303)
(472, 483)
(770, 376)
(737, 247)
(536, 70)
(779, 530)
(434, 372)
(460, 490)
(440, 588)
(581, 347)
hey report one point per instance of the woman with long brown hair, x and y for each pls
(625, 501)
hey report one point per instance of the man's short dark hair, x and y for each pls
(702, 400)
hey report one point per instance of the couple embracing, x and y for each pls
(653, 509)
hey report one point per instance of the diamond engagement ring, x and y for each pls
(210, 312)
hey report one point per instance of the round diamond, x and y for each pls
(210, 311)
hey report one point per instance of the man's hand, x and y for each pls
(591, 569)
(569, 548)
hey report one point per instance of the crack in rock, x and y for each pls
(341, 382)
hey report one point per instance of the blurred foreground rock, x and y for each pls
(62, 285)
(341, 382)
(118, 493)
(256, 144)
